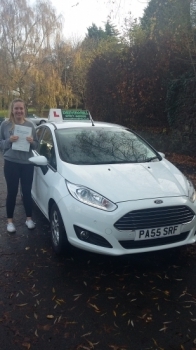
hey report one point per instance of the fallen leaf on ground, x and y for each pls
(26, 345)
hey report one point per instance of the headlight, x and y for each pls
(89, 197)
(191, 191)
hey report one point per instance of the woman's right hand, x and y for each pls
(13, 138)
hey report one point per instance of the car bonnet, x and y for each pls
(124, 182)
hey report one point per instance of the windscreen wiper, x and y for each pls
(151, 159)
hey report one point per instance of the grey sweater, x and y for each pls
(6, 130)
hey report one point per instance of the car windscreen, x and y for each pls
(98, 145)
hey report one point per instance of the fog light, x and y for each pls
(84, 235)
(91, 237)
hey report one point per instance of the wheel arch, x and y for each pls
(50, 204)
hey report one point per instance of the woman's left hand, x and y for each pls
(29, 139)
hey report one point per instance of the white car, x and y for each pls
(106, 190)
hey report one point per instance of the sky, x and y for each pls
(80, 14)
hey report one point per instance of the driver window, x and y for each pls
(47, 148)
(39, 132)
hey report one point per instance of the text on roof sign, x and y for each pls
(76, 114)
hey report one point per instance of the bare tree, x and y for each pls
(25, 32)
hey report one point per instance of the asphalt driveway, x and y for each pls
(86, 301)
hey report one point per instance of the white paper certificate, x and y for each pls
(22, 132)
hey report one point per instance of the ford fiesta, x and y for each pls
(105, 190)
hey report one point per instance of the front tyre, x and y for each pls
(58, 234)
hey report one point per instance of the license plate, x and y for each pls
(160, 232)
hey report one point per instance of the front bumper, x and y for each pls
(121, 242)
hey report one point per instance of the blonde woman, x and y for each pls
(16, 164)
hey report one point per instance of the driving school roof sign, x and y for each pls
(59, 115)
(75, 114)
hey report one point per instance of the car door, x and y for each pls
(45, 177)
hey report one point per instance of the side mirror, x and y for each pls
(38, 160)
(162, 154)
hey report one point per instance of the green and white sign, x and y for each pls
(75, 114)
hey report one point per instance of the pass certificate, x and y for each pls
(22, 132)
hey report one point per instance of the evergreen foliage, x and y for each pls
(144, 85)
(170, 16)
(98, 33)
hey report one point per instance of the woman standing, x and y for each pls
(16, 161)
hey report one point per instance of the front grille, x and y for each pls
(155, 217)
(153, 242)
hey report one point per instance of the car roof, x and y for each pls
(84, 123)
